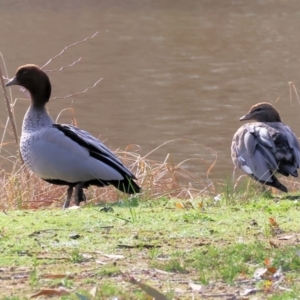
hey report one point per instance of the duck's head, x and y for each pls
(35, 80)
(262, 112)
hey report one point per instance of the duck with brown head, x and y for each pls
(64, 154)
(266, 146)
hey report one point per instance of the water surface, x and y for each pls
(171, 69)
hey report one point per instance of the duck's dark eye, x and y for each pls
(258, 109)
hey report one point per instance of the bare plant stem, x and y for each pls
(63, 50)
(63, 67)
(11, 116)
(77, 93)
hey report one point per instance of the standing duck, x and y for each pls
(64, 154)
(266, 146)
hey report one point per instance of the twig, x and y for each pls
(291, 84)
(78, 93)
(63, 67)
(5, 69)
(227, 295)
(12, 105)
(3, 135)
(11, 116)
(67, 47)
(74, 122)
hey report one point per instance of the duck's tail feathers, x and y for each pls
(127, 185)
(274, 183)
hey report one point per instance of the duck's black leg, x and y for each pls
(79, 194)
(69, 195)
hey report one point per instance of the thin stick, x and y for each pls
(78, 93)
(63, 67)
(63, 50)
(11, 116)
(3, 135)
(291, 84)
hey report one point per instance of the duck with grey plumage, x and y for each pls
(265, 147)
(64, 154)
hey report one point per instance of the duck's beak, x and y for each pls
(246, 117)
(12, 81)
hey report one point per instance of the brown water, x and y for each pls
(171, 69)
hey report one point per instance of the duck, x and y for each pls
(63, 154)
(266, 146)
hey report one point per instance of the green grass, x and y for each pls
(210, 244)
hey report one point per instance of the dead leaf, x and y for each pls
(179, 291)
(93, 291)
(100, 262)
(200, 205)
(258, 273)
(286, 237)
(273, 222)
(189, 204)
(114, 256)
(273, 244)
(278, 273)
(248, 292)
(195, 287)
(265, 273)
(284, 289)
(179, 205)
(56, 276)
(271, 271)
(267, 261)
(51, 292)
(148, 289)
(163, 272)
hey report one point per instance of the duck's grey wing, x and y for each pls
(287, 150)
(101, 153)
(63, 154)
(291, 144)
(251, 153)
(96, 149)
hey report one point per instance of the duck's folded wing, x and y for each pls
(253, 152)
(54, 156)
(292, 142)
(286, 152)
(96, 149)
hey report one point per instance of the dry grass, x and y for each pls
(22, 189)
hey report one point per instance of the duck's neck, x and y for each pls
(36, 118)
